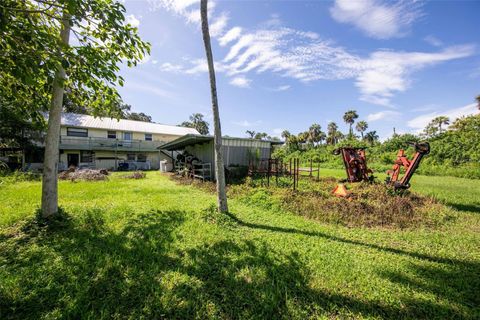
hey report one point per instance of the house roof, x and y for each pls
(86, 121)
(191, 139)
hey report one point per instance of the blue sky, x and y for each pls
(288, 64)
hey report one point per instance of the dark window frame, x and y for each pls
(111, 134)
(129, 155)
(130, 133)
(150, 135)
(86, 156)
(142, 157)
(77, 132)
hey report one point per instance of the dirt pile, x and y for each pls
(84, 174)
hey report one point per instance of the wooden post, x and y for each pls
(298, 171)
(294, 176)
(290, 168)
(268, 172)
(318, 171)
(311, 167)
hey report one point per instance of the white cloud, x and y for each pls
(240, 82)
(387, 72)
(148, 88)
(306, 57)
(378, 19)
(420, 122)
(282, 88)
(231, 35)
(433, 41)
(246, 123)
(218, 25)
(132, 20)
(169, 67)
(381, 115)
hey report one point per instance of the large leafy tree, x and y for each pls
(39, 63)
(361, 127)
(217, 131)
(349, 117)
(198, 122)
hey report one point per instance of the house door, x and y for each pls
(72, 159)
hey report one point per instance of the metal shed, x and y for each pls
(236, 151)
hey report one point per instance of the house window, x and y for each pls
(77, 132)
(148, 137)
(86, 156)
(112, 135)
(131, 156)
(127, 136)
(141, 157)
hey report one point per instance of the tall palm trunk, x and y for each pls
(217, 131)
(50, 163)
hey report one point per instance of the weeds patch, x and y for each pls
(135, 175)
(368, 205)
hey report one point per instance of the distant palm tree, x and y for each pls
(371, 137)
(361, 127)
(314, 133)
(332, 129)
(439, 121)
(285, 135)
(478, 101)
(349, 118)
(217, 131)
(250, 133)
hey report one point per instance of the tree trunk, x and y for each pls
(50, 163)
(217, 131)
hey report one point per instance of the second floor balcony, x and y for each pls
(94, 143)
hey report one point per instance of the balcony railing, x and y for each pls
(93, 143)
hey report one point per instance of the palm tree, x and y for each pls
(331, 133)
(285, 135)
(478, 101)
(314, 133)
(250, 133)
(361, 127)
(439, 121)
(371, 137)
(217, 131)
(349, 118)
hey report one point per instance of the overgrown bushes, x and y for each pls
(455, 152)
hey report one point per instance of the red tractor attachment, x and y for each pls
(355, 163)
(421, 149)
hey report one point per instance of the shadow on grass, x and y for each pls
(87, 270)
(342, 240)
(465, 207)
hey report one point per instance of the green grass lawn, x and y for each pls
(151, 248)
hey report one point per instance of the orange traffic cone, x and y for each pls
(340, 190)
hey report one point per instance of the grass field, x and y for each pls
(151, 249)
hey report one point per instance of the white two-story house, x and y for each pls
(98, 142)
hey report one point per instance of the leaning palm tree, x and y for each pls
(217, 131)
(349, 118)
(361, 127)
